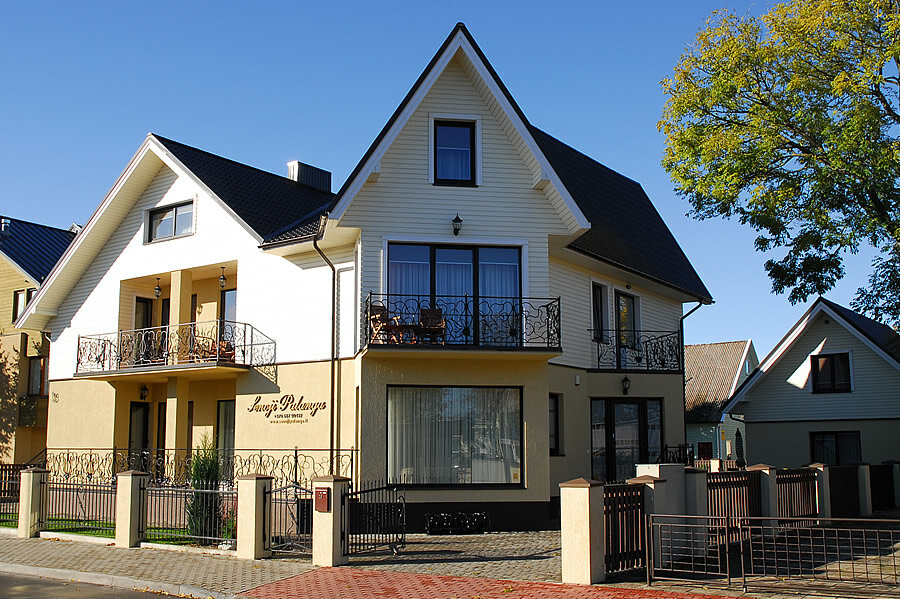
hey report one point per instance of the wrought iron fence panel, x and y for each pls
(493, 322)
(10, 475)
(290, 519)
(658, 351)
(189, 515)
(373, 517)
(217, 341)
(87, 508)
(623, 517)
(676, 454)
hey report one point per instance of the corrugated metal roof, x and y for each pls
(710, 370)
(33, 247)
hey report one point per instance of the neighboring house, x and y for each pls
(828, 392)
(27, 253)
(479, 313)
(712, 372)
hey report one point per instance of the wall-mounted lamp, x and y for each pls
(144, 392)
(626, 385)
(457, 224)
(156, 290)
(222, 279)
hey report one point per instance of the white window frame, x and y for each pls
(148, 223)
(463, 118)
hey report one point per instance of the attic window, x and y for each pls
(454, 154)
(21, 297)
(831, 373)
(171, 221)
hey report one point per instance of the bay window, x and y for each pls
(454, 435)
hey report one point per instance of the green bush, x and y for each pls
(204, 509)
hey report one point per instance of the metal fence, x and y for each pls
(290, 519)
(688, 547)
(9, 494)
(796, 492)
(658, 351)
(623, 518)
(190, 516)
(85, 508)
(373, 517)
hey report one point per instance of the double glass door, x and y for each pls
(624, 433)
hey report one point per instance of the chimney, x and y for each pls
(309, 175)
(4, 227)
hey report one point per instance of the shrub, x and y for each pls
(204, 506)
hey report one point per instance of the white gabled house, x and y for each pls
(826, 393)
(479, 313)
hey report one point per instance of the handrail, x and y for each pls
(638, 349)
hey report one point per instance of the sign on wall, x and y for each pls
(287, 409)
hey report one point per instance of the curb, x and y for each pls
(119, 582)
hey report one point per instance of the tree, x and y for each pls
(790, 122)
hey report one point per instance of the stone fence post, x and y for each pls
(768, 488)
(582, 534)
(131, 506)
(696, 497)
(865, 491)
(823, 490)
(897, 484)
(254, 516)
(30, 504)
(327, 518)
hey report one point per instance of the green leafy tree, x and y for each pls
(790, 122)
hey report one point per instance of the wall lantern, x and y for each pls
(222, 279)
(457, 224)
(144, 392)
(156, 290)
(626, 385)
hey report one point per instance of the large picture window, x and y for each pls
(455, 435)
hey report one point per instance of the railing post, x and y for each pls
(582, 532)
(131, 506)
(768, 488)
(254, 507)
(865, 490)
(30, 505)
(823, 490)
(328, 520)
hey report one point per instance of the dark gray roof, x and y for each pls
(34, 248)
(270, 204)
(626, 230)
(880, 334)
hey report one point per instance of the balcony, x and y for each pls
(461, 322)
(218, 343)
(638, 350)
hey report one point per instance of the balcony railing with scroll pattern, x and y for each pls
(219, 341)
(653, 351)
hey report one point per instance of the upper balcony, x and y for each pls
(462, 322)
(638, 350)
(218, 344)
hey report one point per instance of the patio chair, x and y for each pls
(384, 327)
(432, 325)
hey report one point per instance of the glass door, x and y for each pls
(626, 334)
(624, 433)
(225, 437)
(454, 291)
(500, 303)
(143, 337)
(626, 439)
(139, 436)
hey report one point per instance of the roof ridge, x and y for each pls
(30, 222)
(716, 342)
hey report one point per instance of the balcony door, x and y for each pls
(145, 340)
(626, 330)
(139, 436)
(624, 433)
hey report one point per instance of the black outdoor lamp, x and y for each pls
(222, 279)
(626, 385)
(144, 392)
(156, 290)
(457, 224)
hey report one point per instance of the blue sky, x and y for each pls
(264, 83)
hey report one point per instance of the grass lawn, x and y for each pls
(176, 536)
(91, 528)
(9, 520)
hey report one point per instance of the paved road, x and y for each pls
(28, 587)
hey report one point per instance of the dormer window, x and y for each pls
(171, 221)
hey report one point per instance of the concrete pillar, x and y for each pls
(30, 504)
(180, 290)
(768, 488)
(696, 498)
(254, 517)
(177, 395)
(327, 550)
(582, 534)
(673, 476)
(823, 490)
(865, 491)
(131, 506)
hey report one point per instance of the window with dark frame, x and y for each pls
(831, 373)
(454, 153)
(555, 418)
(835, 448)
(171, 222)
(21, 297)
(37, 376)
(599, 311)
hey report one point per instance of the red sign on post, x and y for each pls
(322, 499)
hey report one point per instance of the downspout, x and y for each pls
(683, 370)
(321, 233)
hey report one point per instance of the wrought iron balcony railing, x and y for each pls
(461, 320)
(188, 343)
(655, 351)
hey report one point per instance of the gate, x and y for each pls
(623, 519)
(688, 547)
(372, 518)
(290, 520)
(844, 491)
(881, 484)
(796, 492)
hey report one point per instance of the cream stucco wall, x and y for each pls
(787, 444)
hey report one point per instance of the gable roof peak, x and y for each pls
(33, 247)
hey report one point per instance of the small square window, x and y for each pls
(21, 297)
(830, 373)
(171, 221)
(37, 376)
(454, 152)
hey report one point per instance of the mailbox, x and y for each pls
(322, 499)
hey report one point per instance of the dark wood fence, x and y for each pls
(844, 491)
(796, 492)
(881, 484)
(9, 480)
(734, 494)
(623, 517)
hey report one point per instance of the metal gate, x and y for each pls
(373, 518)
(291, 519)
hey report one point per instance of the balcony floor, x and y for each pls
(460, 351)
(160, 373)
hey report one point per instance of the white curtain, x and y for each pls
(454, 435)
